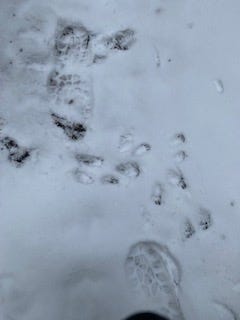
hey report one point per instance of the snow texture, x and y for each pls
(119, 129)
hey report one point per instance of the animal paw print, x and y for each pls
(180, 156)
(89, 166)
(126, 142)
(188, 229)
(204, 223)
(157, 194)
(109, 179)
(129, 169)
(122, 40)
(141, 149)
(177, 179)
(83, 177)
(175, 176)
(180, 140)
(205, 219)
(89, 160)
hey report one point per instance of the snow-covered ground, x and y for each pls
(119, 189)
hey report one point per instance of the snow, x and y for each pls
(134, 149)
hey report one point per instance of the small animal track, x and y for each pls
(129, 169)
(179, 138)
(205, 219)
(89, 160)
(188, 229)
(16, 154)
(151, 270)
(142, 149)
(204, 223)
(109, 179)
(73, 130)
(180, 156)
(176, 178)
(126, 142)
(72, 41)
(157, 194)
(82, 177)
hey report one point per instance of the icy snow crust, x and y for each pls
(119, 159)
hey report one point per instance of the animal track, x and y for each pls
(188, 229)
(152, 270)
(121, 40)
(129, 169)
(205, 220)
(72, 41)
(142, 149)
(83, 177)
(16, 154)
(157, 194)
(89, 160)
(74, 130)
(179, 138)
(126, 142)
(109, 179)
(101, 45)
(176, 178)
(180, 156)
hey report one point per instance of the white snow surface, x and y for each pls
(156, 123)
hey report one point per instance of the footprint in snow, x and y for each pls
(153, 272)
(72, 42)
(129, 169)
(83, 177)
(73, 130)
(126, 142)
(179, 138)
(157, 194)
(89, 160)
(109, 179)
(142, 149)
(205, 219)
(16, 153)
(180, 156)
(188, 229)
(176, 178)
